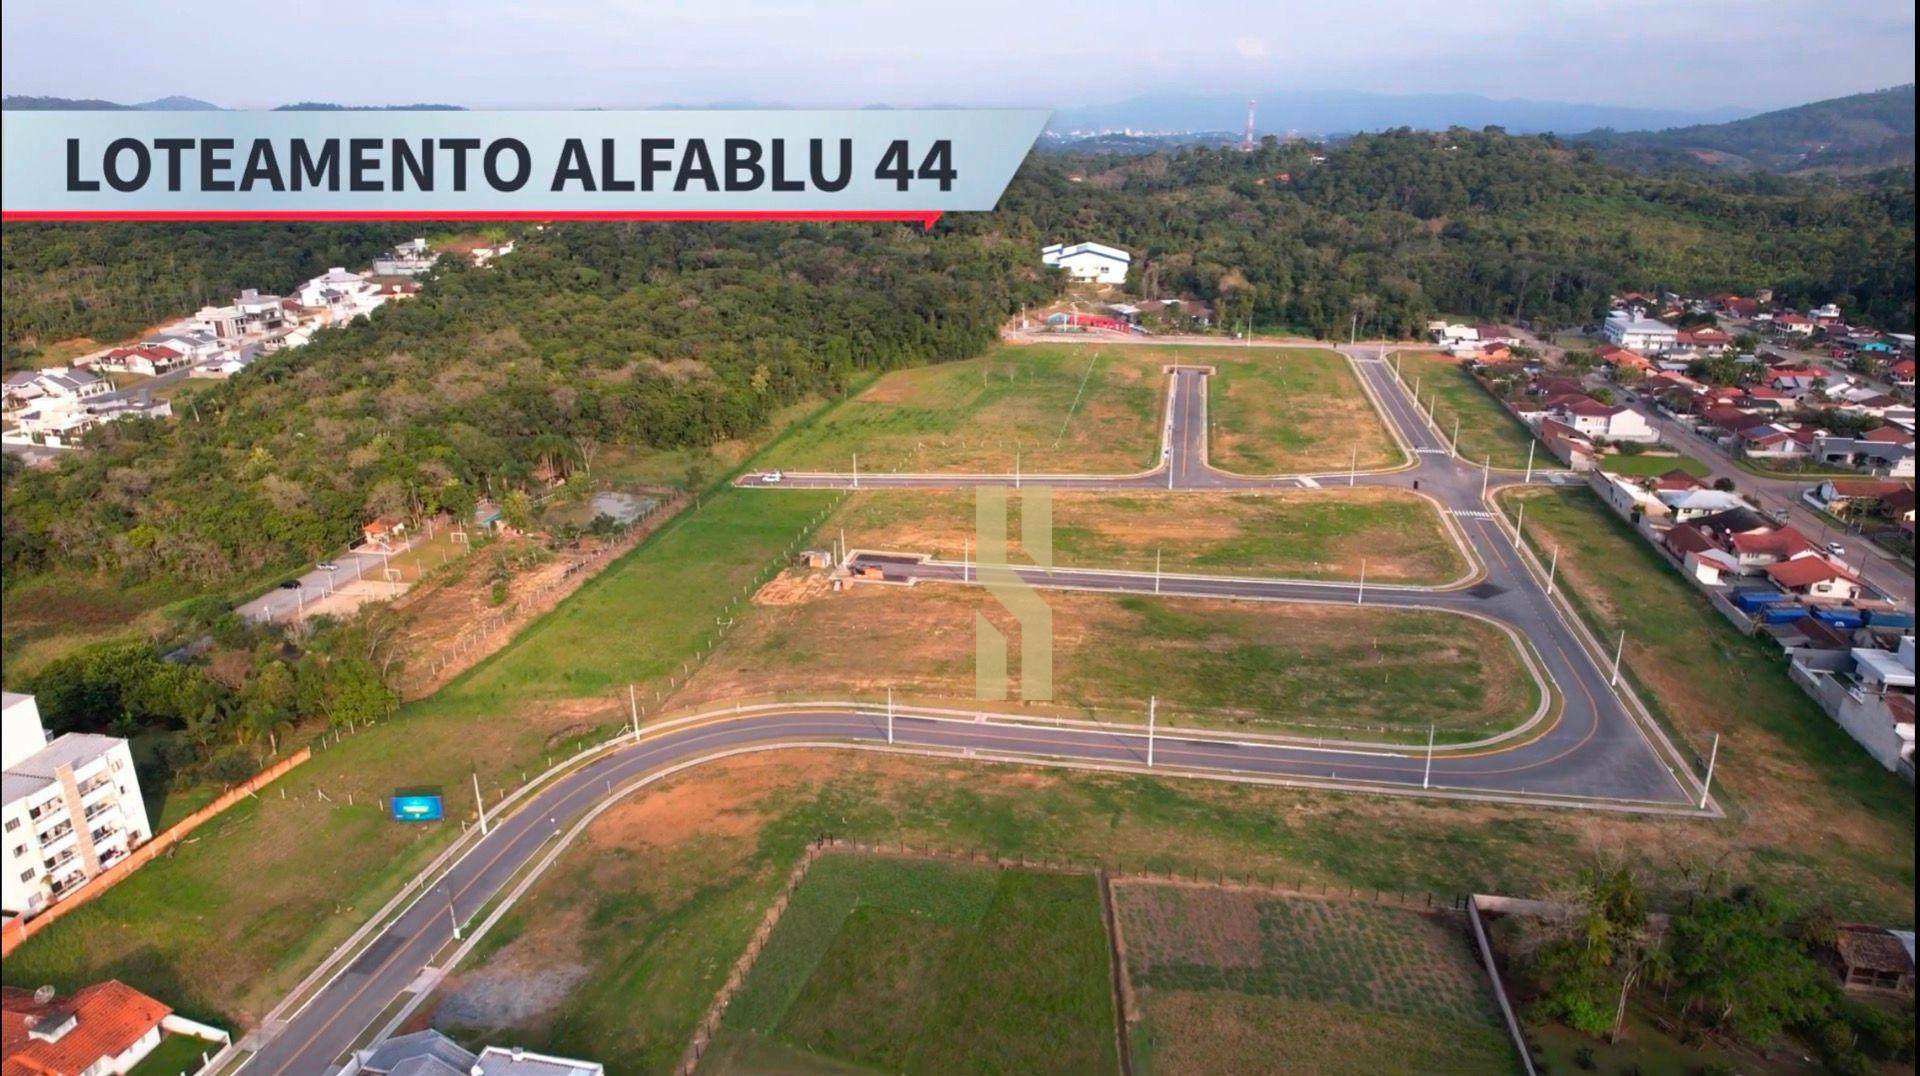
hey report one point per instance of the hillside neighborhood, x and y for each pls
(53, 408)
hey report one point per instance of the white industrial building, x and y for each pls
(1630, 330)
(1089, 262)
(72, 808)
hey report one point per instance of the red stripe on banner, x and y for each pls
(924, 218)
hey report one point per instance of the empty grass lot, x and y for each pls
(1797, 784)
(1316, 670)
(1286, 410)
(1229, 980)
(232, 919)
(1487, 430)
(1653, 466)
(1047, 408)
(1286, 533)
(930, 967)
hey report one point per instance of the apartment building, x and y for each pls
(72, 808)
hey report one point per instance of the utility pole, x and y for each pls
(1016, 468)
(1353, 464)
(1153, 704)
(1426, 779)
(1520, 521)
(856, 470)
(1551, 569)
(1618, 651)
(1486, 475)
(633, 708)
(481, 802)
(966, 561)
(1455, 445)
(1361, 597)
(1706, 787)
(889, 716)
(1156, 571)
(1531, 445)
(455, 920)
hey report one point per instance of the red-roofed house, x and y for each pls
(1677, 479)
(1815, 577)
(148, 359)
(1621, 359)
(104, 1028)
(1776, 442)
(1702, 341)
(1793, 323)
(1755, 551)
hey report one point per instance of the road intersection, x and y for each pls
(1598, 749)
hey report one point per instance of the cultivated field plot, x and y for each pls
(1286, 410)
(1284, 533)
(1231, 981)
(1487, 430)
(1061, 408)
(915, 966)
(1320, 670)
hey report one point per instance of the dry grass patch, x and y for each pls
(1286, 410)
(1288, 533)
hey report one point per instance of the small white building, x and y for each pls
(72, 808)
(1089, 262)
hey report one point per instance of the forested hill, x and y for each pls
(1406, 225)
(1859, 133)
(587, 335)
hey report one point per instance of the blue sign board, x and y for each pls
(415, 807)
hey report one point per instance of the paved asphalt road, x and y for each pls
(281, 603)
(1594, 750)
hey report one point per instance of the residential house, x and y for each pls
(147, 359)
(1702, 341)
(1887, 451)
(1677, 479)
(1754, 551)
(483, 256)
(1623, 360)
(1793, 323)
(1567, 444)
(410, 258)
(62, 383)
(429, 1053)
(1699, 556)
(1603, 422)
(1815, 578)
(105, 1028)
(1852, 496)
(1692, 504)
(72, 808)
(1089, 262)
(1774, 441)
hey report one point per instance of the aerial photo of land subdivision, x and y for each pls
(1387, 546)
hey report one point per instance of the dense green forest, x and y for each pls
(1399, 227)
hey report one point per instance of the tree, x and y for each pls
(516, 508)
(1587, 964)
(1735, 965)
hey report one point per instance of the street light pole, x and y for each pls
(1360, 598)
(1706, 787)
(1618, 651)
(1551, 569)
(1156, 571)
(1153, 704)
(1426, 779)
(1531, 445)
(633, 708)
(1353, 464)
(481, 802)
(889, 716)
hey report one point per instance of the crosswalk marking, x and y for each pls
(1431, 451)
(1309, 483)
(1470, 514)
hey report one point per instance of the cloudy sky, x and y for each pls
(1695, 54)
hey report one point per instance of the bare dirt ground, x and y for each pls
(453, 623)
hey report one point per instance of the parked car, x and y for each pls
(290, 584)
(771, 477)
(327, 566)
(1835, 549)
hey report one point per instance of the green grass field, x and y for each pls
(1787, 770)
(227, 922)
(1058, 408)
(1284, 410)
(1487, 430)
(177, 1055)
(1229, 980)
(930, 967)
(1287, 533)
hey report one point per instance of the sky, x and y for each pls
(1692, 54)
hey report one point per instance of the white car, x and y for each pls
(772, 477)
(1835, 549)
(327, 566)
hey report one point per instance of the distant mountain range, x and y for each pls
(1859, 133)
(1332, 112)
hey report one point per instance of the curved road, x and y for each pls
(1595, 753)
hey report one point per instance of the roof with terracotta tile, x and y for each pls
(107, 1018)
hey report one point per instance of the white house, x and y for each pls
(410, 258)
(59, 383)
(1686, 504)
(1089, 262)
(72, 808)
(1603, 422)
(1624, 328)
